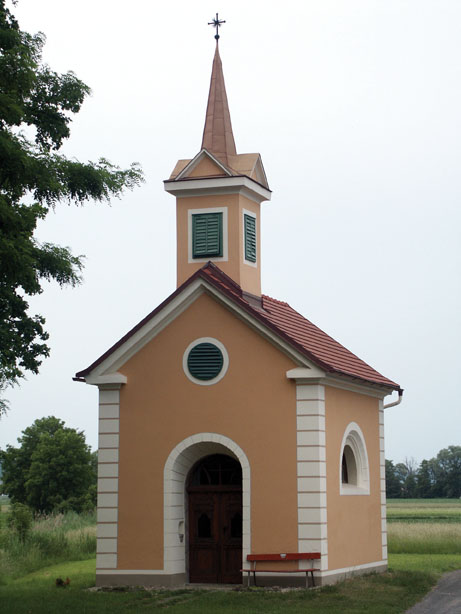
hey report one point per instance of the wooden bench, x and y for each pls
(289, 556)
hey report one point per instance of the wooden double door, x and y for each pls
(215, 527)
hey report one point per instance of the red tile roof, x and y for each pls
(295, 328)
(323, 348)
(287, 323)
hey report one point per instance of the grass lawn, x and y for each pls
(424, 526)
(423, 544)
(409, 578)
(424, 510)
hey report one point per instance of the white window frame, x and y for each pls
(225, 242)
(353, 437)
(251, 214)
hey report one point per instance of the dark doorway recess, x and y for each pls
(215, 520)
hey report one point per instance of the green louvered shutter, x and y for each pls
(206, 235)
(205, 361)
(250, 238)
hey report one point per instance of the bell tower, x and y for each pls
(218, 197)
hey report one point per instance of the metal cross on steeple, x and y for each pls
(216, 23)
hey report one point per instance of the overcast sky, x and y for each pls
(355, 109)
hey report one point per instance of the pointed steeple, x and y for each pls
(218, 198)
(218, 138)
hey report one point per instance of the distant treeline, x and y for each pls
(437, 477)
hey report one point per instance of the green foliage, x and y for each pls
(393, 489)
(437, 477)
(52, 538)
(20, 520)
(447, 472)
(33, 179)
(53, 469)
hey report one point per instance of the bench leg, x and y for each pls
(313, 580)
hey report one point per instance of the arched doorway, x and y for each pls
(214, 488)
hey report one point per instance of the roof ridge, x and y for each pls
(220, 273)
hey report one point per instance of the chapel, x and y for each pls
(231, 426)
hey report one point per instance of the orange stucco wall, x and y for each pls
(254, 405)
(247, 276)
(354, 521)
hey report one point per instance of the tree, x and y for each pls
(20, 520)
(406, 476)
(34, 178)
(393, 486)
(448, 471)
(425, 480)
(52, 469)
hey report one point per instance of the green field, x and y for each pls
(424, 510)
(421, 539)
(424, 526)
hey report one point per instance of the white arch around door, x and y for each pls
(179, 462)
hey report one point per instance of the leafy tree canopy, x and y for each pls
(436, 477)
(36, 107)
(52, 469)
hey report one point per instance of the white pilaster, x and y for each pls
(312, 487)
(108, 453)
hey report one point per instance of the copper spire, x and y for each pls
(218, 138)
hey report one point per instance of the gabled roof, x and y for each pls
(215, 167)
(287, 324)
(248, 165)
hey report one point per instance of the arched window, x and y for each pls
(216, 470)
(354, 474)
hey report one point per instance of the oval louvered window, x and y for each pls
(205, 361)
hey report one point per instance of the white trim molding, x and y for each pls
(108, 457)
(311, 472)
(180, 461)
(353, 438)
(109, 378)
(249, 188)
(220, 375)
(225, 238)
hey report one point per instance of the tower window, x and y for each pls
(249, 222)
(207, 231)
